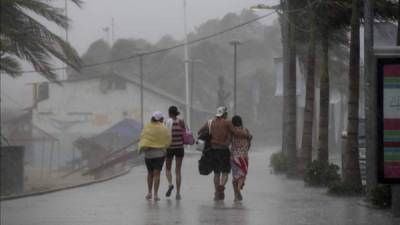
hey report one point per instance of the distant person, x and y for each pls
(239, 157)
(222, 130)
(176, 149)
(154, 140)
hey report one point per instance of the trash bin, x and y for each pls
(11, 169)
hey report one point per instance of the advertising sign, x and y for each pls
(388, 70)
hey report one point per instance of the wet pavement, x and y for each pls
(269, 199)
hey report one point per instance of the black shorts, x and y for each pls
(178, 152)
(219, 160)
(154, 164)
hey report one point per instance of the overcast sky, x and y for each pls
(147, 19)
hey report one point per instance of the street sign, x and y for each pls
(388, 69)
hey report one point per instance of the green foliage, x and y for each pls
(321, 174)
(278, 162)
(381, 196)
(24, 37)
(341, 188)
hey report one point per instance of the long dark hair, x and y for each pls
(237, 121)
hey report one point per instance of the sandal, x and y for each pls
(148, 196)
(170, 188)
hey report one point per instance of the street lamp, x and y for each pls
(235, 43)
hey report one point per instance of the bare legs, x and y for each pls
(149, 184)
(168, 165)
(237, 186)
(219, 185)
(153, 181)
(178, 166)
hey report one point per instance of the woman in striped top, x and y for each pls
(176, 149)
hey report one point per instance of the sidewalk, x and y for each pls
(37, 185)
(268, 200)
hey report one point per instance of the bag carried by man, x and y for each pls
(205, 166)
(203, 144)
(204, 139)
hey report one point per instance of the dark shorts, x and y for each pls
(178, 152)
(219, 160)
(154, 164)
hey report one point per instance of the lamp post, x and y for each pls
(235, 43)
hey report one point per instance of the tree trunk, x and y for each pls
(323, 153)
(306, 144)
(292, 98)
(285, 45)
(371, 91)
(351, 164)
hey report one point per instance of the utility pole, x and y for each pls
(235, 43)
(141, 89)
(188, 116)
(192, 62)
(112, 31)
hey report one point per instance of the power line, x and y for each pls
(164, 49)
(183, 44)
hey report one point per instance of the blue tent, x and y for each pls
(104, 149)
(121, 134)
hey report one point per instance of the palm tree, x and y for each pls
(384, 10)
(310, 33)
(24, 37)
(332, 16)
(306, 144)
(291, 104)
(351, 166)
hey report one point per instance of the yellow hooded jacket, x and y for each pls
(155, 135)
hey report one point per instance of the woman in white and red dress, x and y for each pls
(239, 157)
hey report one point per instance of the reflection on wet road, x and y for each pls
(268, 200)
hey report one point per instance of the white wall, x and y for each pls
(80, 109)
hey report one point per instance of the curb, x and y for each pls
(31, 194)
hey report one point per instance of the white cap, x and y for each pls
(157, 115)
(221, 110)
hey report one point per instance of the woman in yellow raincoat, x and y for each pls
(154, 140)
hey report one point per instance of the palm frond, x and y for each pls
(44, 10)
(24, 37)
(10, 66)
